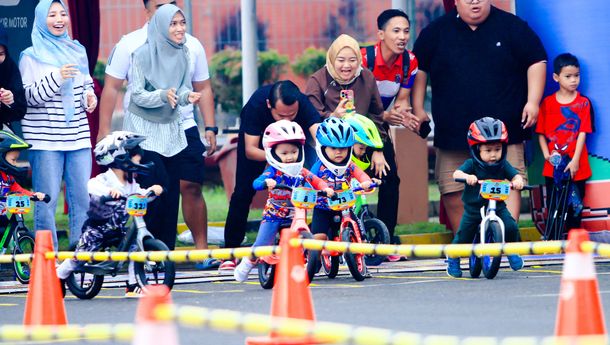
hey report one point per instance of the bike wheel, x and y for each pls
(266, 274)
(377, 233)
(355, 262)
(491, 264)
(474, 263)
(24, 245)
(330, 265)
(152, 272)
(84, 285)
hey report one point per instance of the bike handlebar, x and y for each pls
(463, 180)
(290, 188)
(106, 198)
(46, 198)
(359, 188)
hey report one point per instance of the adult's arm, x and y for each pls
(313, 129)
(536, 75)
(252, 151)
(418, 95)
(38, 89)
(112, 87)
(141, 96)
(206, 104)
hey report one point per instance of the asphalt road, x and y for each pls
(413, 296)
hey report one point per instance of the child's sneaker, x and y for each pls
(133, 291)
(453, 267)
(227, 265)
(515, 262)
(393, 258)
(243, 269)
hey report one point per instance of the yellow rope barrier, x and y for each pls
(335, 333)
(93, 332)
(258, 324)
(424, 250)
(434, 250)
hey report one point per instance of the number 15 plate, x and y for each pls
(495, 189)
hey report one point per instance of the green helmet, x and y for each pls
(363, 164)
(365, 131)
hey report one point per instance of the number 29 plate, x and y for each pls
(136, 205)
(495, 189)
(18, 203)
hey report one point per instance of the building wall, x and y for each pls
(290, 26)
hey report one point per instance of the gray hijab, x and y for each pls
(165, 64)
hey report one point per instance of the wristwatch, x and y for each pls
(213, 129)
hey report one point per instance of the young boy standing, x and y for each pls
(563, 124)
(487, 139)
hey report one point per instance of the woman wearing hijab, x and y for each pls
(12, 96)
(160, 82)
(343, 71)
(58, 91)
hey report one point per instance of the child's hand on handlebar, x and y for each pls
(471, 180)
(115, 194)
(329, 192)
(39, 195)
(271, 183)
(366, 185)
(517, 182)
(156, 189)
(376, 181)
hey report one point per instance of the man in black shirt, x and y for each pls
(270, 103)
(481, 61)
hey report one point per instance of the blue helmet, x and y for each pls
(334, 132)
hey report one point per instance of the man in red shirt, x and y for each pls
(394, 68)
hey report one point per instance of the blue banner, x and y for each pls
(17, 16)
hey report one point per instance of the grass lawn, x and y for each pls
(218, 206)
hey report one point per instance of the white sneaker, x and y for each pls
(243, 269)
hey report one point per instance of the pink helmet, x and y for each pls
(280, 132)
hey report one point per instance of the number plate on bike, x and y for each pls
(18, 203)
(343, 200)
(495, 189)
(136, 205)
(304, 197)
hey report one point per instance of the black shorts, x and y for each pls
(190, 161)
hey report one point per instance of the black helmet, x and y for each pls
(117, 149)
(11, 142)
(487, 130)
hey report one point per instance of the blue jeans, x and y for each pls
(267, 231)
(49, 168)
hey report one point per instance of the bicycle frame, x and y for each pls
(11, 231)
(136, 233)
(488, 215)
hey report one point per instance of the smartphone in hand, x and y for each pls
(349, 95)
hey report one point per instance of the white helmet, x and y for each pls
(116, 150)
(280, 132)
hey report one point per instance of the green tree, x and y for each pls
(310, 61)
(226, 72)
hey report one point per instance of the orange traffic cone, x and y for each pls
(149, 330)
(291, 296)
(580, 309)
(44, 304)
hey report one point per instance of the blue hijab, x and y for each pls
(57, 51)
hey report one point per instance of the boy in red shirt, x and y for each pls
(565, 120)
